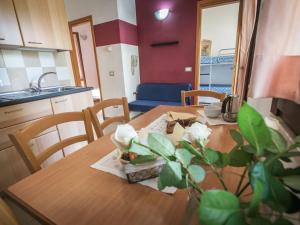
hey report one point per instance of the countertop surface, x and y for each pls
(13, 98)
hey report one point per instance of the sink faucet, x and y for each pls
(38, 88)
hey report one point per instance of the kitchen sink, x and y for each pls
(58, 89)
(30, 93)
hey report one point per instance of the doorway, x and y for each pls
(83, 55)
(217, 37)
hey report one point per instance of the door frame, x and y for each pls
(73, 53)
(203, 4)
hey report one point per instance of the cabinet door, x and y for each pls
(60, 25)
(43, 23)
(39, 144)
(9, 28)
(35, 23)
(66, 130)
(12, 167)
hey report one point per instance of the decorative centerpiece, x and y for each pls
(260, 152)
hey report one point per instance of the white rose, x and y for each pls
(198, 132)
(123, 135)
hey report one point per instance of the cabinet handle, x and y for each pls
(34, 42)
(2, 39)
(63, 100)
(13, 111)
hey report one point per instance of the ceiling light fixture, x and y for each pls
(161, 14)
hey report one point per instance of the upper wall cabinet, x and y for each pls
(43, 23)
(9, 28)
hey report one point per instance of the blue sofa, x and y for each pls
(150, 95)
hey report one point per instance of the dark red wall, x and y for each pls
(167, 63)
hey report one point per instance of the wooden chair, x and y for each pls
(22, 138)
(94, 110)
(6, 215)
(197, 93)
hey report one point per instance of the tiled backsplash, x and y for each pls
(18, 68)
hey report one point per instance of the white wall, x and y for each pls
(111, 61)
(262, 105)
(126, 11)
(219, 24)
(101, 10)
(131, 80)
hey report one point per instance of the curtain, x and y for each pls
(276, 63)
(248, 14)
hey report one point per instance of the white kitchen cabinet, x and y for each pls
(71, 103)
(39, 144)
(12, 167)
(9, 29)
(16, 117)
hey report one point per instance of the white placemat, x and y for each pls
(213, 121)
(111, 164)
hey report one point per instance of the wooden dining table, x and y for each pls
(70, 192)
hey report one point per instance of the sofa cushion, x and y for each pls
(161, 91)
(146, 105)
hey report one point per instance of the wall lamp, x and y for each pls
(161, 14)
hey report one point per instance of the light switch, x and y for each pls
(188, 69)
(111, 73)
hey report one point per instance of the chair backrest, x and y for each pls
(161, 91)
(23, 137)
(6, 215)
(197, 93)
(94, 110)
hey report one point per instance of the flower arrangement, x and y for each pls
(260, 152)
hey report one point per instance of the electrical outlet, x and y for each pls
(188, 69)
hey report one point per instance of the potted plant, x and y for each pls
(260, 152)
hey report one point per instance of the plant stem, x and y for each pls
(219, 177)
(241, 181)
(243, 189)
(196, 187)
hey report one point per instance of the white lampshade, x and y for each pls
(161, 14)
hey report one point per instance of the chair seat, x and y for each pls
(146, 105)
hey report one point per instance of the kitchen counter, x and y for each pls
(13, 98)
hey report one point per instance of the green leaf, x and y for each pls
(253, 128)
(216, 207)
(211, 156)
(239, 158)
(197, 173)
(249, 149)
(183, 183)
(292, 181)
(191, 149)
(237, 137)
(236, 219)
(139, 149)
(259, 173)
(223, 160)
(279, 143)
(161, 144)
(291, 154)
(282, 221)
(276, 168)
(184, 156)
(170, 175)
(256, 197)
(143, 159)
(281, 199)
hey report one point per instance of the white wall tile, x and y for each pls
(13, 58)
(33, 74)
(4, 79)
(63, 73)
(47, 59)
